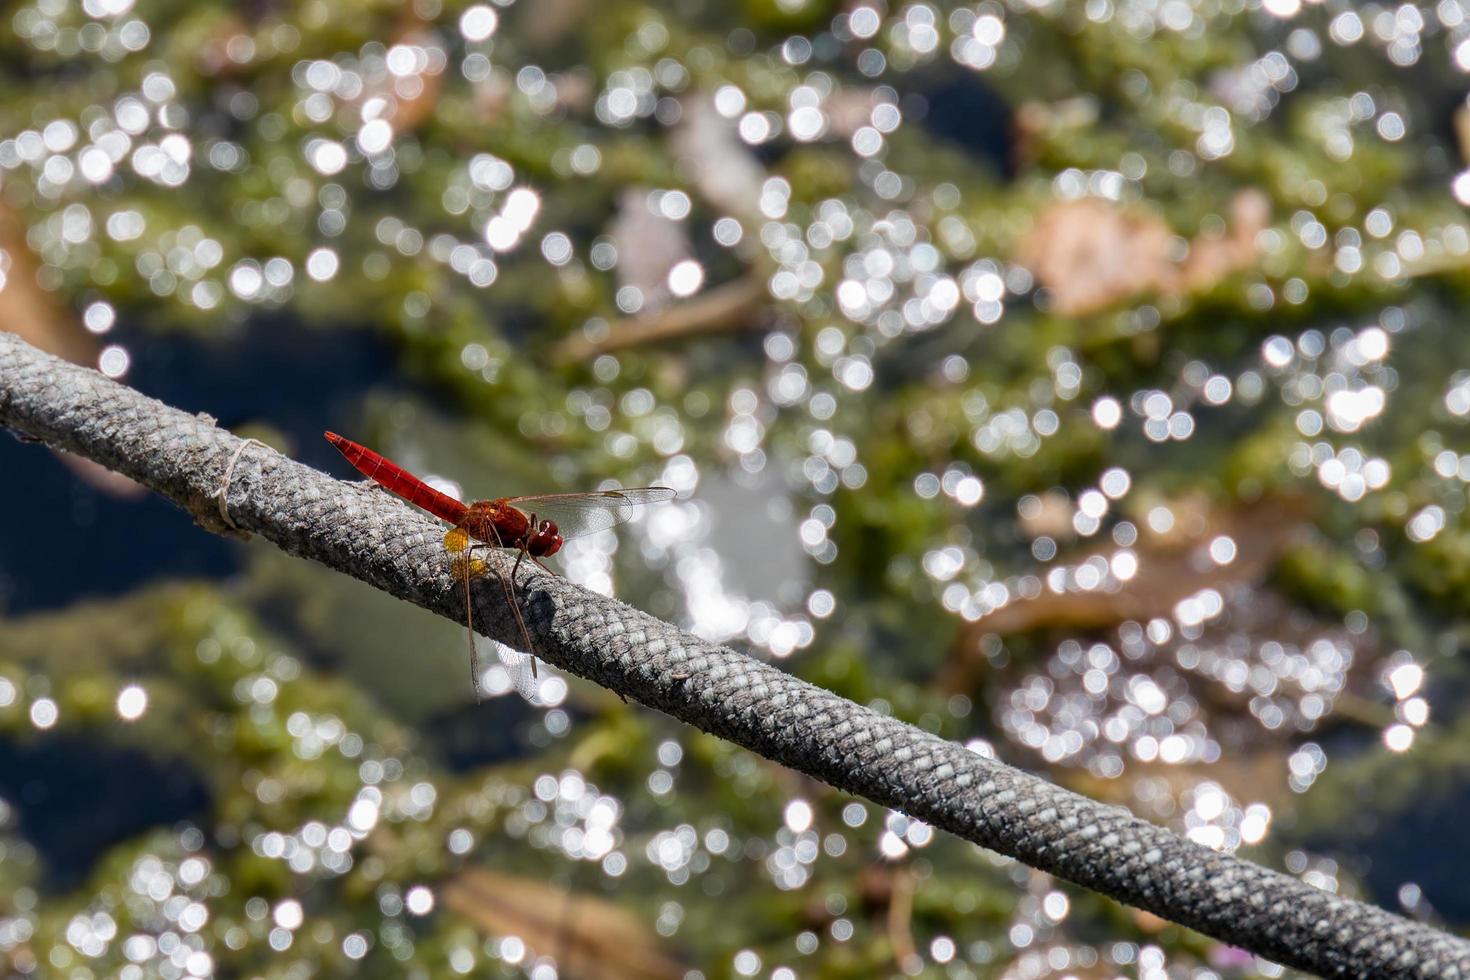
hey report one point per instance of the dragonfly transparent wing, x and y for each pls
(579, 514)
(503, 669)
(516, 670)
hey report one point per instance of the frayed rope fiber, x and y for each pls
(373, 537)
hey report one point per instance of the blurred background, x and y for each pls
(1083, 381)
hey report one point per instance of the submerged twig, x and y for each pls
(732, 306)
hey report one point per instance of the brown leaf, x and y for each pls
(1037, 124)
(1462, 131)
(1171, 567)
(591, 938)
(547, 22)
(1212, 259)
(414, 97)
(492, 97)
(1148, 922)
(1053, 516)
(43, 321)
(1091, 255)
(229, 32)
(848, 110)
(575, 92)
(408, 100)
(26, 309)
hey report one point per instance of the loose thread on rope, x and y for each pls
(223, 493)
(752, 704)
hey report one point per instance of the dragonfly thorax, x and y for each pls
(497, 523)
(501, 523)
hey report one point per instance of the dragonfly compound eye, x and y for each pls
(546, 540)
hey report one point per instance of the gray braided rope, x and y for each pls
(373, 537)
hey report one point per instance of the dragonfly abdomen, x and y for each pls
(399, 481)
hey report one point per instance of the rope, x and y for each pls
(374, 538)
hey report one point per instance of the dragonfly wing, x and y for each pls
(503, 669)
(580, 514)
(521, 668)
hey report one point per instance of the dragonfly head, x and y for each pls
(545, 540)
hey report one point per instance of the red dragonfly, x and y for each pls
(534, 526)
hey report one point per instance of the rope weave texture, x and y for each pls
(369, 535)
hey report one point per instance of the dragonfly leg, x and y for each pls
(515, 606)
(522, 557)
(513, 601)
(519, 558)
(462, 551)
(469, 624)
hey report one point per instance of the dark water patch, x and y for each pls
(76, 797)
(62, 539)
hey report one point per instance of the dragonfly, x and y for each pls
(534, 526)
